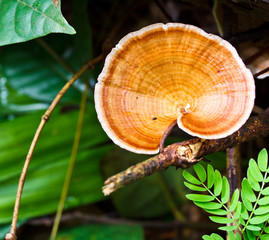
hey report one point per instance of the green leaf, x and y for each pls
(237, 211)
(264, 237)
(208, 205)
(266, 180)
(220, 212)
(200, 171)
(228, 228)
(255, 171)
(207, 237)
(265, 191)
(252, 181)
(245, 236)
(259, 219)
(33, 73)
(216, 236)
(225, 193)
(194, 187)
(247, 190)
(24, 20)
(262, 210)
(47, 170)
(250, 235)
(264, 200)
(102, 232)
(190, 178)
(244, 212)
(238, 237)
(234, 200)
(200, 197)
(253, 228)
(221, 220)
(242, 221)
(263, 160)
(231, 235)
(246, 202)
(217, 183)
(210, 176)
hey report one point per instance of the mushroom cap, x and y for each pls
(172, 72)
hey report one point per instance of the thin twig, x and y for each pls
(93, 218)
(89, 64)
(71, 164)
(55, 55)
(188, 153)
(169, 198)
(261, 72)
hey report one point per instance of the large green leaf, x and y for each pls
(28, 69)
(13, 102)
(48, 167)
(102, 232)
(22, 20)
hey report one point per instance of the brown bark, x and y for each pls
(188, 153)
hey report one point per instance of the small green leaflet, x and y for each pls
(190, 178)
(225, 193)
(234, 200)
(210, 176)
(217, 183)
(194, 187)
(255, 171)
(247, 190)
(200, 197)
(200, 171)
(263, 160)
(221, 220)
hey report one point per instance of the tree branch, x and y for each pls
(188, 153)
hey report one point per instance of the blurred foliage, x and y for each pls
(47, 170)
(145, 203)
(103, 232)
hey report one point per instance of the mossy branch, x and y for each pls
(188, 153)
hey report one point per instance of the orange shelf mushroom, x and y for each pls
(172, 72)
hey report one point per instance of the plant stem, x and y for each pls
(55, 55)
(89, 64)
(223, 205)
(71, 164)
(255, 205)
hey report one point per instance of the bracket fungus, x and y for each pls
(172, 72)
